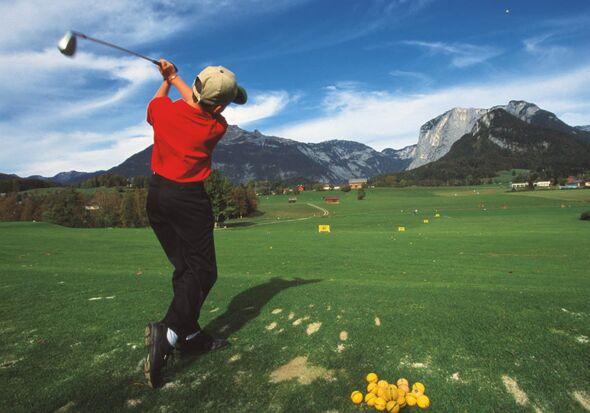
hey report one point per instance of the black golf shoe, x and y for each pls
(202, 343)
(159, 351)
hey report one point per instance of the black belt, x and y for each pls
(160, 180)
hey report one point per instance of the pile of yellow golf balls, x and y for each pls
(391, 397)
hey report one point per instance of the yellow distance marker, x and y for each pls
(426, 221)
(401, 229)
(437, 215)
(323, 228)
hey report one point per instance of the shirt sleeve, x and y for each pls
(156, 107)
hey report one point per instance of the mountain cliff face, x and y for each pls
(439, 134)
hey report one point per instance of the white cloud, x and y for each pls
(384, 119)
(259, 107)
(48, 153)
(462, 54)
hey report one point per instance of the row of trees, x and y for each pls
(116, 207)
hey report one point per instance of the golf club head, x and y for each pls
(67, 44)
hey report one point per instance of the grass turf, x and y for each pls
(497, 286)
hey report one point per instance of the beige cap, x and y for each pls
(216, 85)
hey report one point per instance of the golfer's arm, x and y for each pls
(163, 90)
(185, 91)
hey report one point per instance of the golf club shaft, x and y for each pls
(82, 35)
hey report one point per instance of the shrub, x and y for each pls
(585, 216)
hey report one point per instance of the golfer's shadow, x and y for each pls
(247, 305)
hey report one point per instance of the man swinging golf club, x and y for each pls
(179, 210)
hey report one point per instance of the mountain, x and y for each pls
(242, 156)
(500, 140)
(584, 128)
(438, 135)
(14, 183)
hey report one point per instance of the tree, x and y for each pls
(360, 194)
(346, 188)
(66, 207)
(219, 190)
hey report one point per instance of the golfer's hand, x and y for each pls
(167, 69)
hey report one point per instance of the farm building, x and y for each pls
(542, 184)
(300, 188)
(357, 183)
(332, 199)
(519, 185)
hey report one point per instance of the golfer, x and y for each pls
(179, 210)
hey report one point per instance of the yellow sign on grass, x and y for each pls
(426, 221)
(437, 215)
(401, 229)
(323, 228)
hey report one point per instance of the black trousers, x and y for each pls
(180, 215)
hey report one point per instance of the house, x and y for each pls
(326, 187)
(300, 188)
(519, 185)
(587, 184)
(357, 183)
(332, 199)
(542, 184)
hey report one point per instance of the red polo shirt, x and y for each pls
(184, 139)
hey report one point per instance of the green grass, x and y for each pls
(497, 286)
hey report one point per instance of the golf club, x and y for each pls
(67, 45)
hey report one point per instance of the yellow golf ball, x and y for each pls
(404, 387)
(402, 382)
(411, 400)
(401, 400)
(393, 391)
(418, 388)
(380, 403)
(401, 392)
(370, 397)
(372, 387)
(384, 393)
(423, 402)
(372, 377)
(392, 406)
(356, 397)
(383, 384)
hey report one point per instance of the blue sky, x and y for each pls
(372, 71)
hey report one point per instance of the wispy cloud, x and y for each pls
(421, 78)
(461, 54)
(385, 119)
(260, 106)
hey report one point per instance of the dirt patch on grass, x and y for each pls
(271, 326)
(512, 386)
(234, 358)
(133, 403)
(582, 339)
(377, 321)
(291, 316)
(277, 311)
(313, 328)
(301, 320)
(583, 399)
(341, 347)
(343, 335)
(66, 408)
(299, 369)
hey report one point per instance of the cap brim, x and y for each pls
(241, 96)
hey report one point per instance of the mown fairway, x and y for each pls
(495, 290)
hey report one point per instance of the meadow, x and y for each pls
(487, 305)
